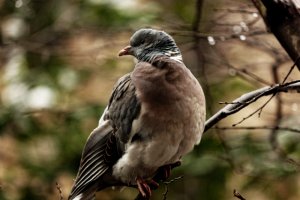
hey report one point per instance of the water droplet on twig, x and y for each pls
(243, 37)
(254, 15)
(244, 26)
(237, 29)
(211, 40)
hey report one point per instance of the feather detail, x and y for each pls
(94, 162)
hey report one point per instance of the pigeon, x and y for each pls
(154, 117)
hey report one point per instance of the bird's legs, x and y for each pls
(164, 172)
(145, 186)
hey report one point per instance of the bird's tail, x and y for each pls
(94, 164)
(86, 195)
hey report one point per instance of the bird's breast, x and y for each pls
(170, 123)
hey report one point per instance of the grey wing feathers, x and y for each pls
(105, 144)
(123, 107)
(94, 159)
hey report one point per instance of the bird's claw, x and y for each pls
(145, 186)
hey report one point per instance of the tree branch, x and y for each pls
(59, 191)
(238, 195)
(248, 98)
(282, 128)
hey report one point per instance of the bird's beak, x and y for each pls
(126, 51)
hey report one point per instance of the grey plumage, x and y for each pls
(155, 116)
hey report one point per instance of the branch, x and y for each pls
(282, 128)
(59, 191)
(238, 195)
(248, 98)
(259, 110)
(166, 186)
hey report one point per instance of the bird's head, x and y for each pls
(147, 44)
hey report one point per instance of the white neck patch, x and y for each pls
(178, 58)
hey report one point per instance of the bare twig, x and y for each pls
(227, 149)
(259, 110)
(249, 98)
(58, 187)
(167, 188)
(246, 74)
(238, 195)
(291, 69)
(258, 128)
(229, 10)
(227, 103)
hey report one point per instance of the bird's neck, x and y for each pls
(175, 55)
(178, 58)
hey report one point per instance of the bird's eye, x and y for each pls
(142, 42)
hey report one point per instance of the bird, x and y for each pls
(154, 117)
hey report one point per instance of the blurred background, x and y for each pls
(58, 64)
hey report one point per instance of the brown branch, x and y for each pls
(58, 187)
(278, 111)
(246, 74)
(282, 128)
(259, 110)
(226, 149)
(167, 188)
(248, 98)
(290, 71)
(238, 195)
(230, 10)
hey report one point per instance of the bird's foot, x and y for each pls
(164, 172)
(145, 187)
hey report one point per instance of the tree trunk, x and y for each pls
(282, 17)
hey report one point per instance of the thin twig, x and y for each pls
(258, 128)
(290, 71)
(238, 195)
(58, 187)
(227, 103)
(235, 10)
(259, 110)
(227, 149)
(248, 98)
(167, 188)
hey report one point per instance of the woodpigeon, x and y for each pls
(155, 115)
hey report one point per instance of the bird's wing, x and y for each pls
(123, 107)
(105, 144)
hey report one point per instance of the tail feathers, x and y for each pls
(93, 163)
(81, 197)
(84, 196)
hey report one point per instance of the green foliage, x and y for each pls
(104, 15)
